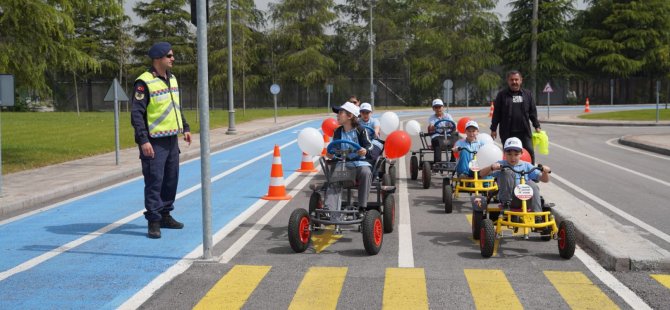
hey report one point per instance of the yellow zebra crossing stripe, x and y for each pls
(491, 290)
(405, 288)
(233, 290)
(320, 288)
(578, 291)
(663, 279)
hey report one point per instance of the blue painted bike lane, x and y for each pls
(106, 271)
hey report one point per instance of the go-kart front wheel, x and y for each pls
(413, 167)
(425, 175)
(393, 172)
(567, 239)
(299, 234)
(477, 218)
(447, 197)
(487, 238)
(373, 232)
(389, 213)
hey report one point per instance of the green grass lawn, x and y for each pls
(632, 115)
(31, 140)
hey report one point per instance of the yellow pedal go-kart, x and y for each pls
(454, 185)
(521, 219)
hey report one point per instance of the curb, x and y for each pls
(616, 246)
(602, 124)
(629, 141)
(79, 188)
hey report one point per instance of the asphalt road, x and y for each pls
(442, 266)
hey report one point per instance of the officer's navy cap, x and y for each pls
(159, 50)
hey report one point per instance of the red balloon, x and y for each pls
(525, 156)
(397, 144)
(461, 124)
(329, 125)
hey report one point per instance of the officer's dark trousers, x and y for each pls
(161, 175)
(526, 142)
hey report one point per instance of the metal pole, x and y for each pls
(203, 96)
(0, 148)
(533, 49)
(611, 91)
(328, 102)
(275, 100)
(658, 98)
(372, 48)
(116, 120)
(467, 94)
(231, 107)
(548, 103)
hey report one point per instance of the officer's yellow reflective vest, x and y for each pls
(164, 109)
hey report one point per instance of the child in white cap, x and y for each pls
(437, 140)
(369, 121)
(469, 143)
(508, 179)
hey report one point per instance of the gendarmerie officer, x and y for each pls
(158, 120)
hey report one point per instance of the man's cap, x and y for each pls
(513, 144)
(471, 124)
(438, 102)
(349, 107)
(159, 50)
(366, 107)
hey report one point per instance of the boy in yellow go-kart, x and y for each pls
(508, 179)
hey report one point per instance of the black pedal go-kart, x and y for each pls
(424, 162)
(332, 203)
(387, 170)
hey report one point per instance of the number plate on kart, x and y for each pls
(342, 173)
(474, 165)
(523, 192)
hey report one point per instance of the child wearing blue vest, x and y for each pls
(471, 144)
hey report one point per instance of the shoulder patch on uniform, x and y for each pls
(139, 95)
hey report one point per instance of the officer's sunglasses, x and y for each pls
(169, 56)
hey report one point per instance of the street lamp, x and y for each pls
(372, 48)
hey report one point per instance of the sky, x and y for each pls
(502, 8)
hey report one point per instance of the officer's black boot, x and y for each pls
(154, 230)
(169, 222)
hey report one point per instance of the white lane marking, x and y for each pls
(611, 142)
(614, 209)
(46, 208)
(72, 244)
(405, 250)
(613, 165)
(253, 231)
(146, 292)
(634, 301)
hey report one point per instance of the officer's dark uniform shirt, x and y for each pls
(519, 122)
(140, 101)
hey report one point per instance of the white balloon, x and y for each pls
(488, 154)
(413, 128)
(310, 141)
(484, 138)
(389, 122)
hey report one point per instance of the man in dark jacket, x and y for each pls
(514, 107)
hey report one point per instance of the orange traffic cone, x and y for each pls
(307, 165)
(587, 109)
(277, 190)
(325, 144)
(491, 110)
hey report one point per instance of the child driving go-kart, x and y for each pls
(437, 138)
(507, 179)
(465, 148)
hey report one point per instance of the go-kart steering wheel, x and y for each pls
(371, 131)
(337, 144)
(447, 129)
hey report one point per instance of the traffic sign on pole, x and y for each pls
(548, 89)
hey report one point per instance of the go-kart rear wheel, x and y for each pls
(448, 198)
(315, 202)
(477, 217)
(373, 232)
(425, 175)
(393, 172)
(299, 234)
(389, 213)
(566, 239)
(413, 167)
(487, 238)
